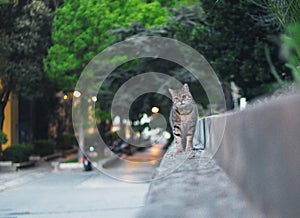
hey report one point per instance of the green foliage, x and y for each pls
(288, 16)
(82, 29)
(18, 153)
(25, 37)
(67, 141)
(43, 147)
(75, 160)
(236, 45)
(101, 114)
(291, 49)
(272, 68)
(24, 40)
(4, 1)
(176, 3)
(287, 11)
(3, 137)
(228, 37)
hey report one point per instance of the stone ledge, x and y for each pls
(260, 152)
(197, 188)
(255, 170)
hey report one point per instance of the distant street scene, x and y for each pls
(42, 192)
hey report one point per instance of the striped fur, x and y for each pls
(183, 118)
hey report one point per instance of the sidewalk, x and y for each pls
(13, 179)
(45, 193)
(17, 178)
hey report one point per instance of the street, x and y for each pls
(44, 193)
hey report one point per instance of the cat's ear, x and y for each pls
(172, 92)
(186, 87)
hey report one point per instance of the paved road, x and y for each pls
(44, 193)
(137, 168)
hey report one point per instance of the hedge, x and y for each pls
(43, 147)
(18, 153)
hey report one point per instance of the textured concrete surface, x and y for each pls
(260, 152)
(13, 179)
(197, 188)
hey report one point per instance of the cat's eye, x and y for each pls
(183, 96)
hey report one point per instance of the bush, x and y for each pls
(18, 153)
(68, 141)
(3, 138)
(43, 147)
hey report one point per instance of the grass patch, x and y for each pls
(75, 160)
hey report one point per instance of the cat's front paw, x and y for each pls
(189, 148)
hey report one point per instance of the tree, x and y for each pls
(281, 12)
(82, 29)
(286, 14)
(229, 37)
(24, 37)
(238, 51)
(187, 24)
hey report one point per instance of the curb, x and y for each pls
(9, 166)
(105, 163)
(72, 166)
(26, 164)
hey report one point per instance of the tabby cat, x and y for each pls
(183, 118)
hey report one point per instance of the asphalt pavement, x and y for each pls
(44, 193)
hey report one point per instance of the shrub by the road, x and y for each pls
(43, 147)
(18, 153)
(68, 141)
(3, 137)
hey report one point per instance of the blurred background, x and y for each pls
(252, 45)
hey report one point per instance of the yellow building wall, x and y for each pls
(10, 125)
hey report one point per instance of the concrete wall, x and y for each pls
(259, 149)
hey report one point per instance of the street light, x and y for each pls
(94, 98)
(155, 110)
(77, 94)
(92, 148)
